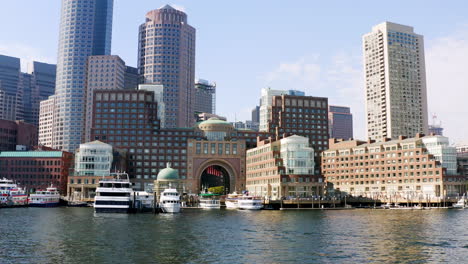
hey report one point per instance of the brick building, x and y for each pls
(37, 169)
(283, 168)
(13, 133)
(402, 170)
(128, 120)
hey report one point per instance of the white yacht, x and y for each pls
(247, 202)
(45, 198)
(11, 194)
(461, 204)
(114, 195)
(210, 201)
(144, 200)
(232, 201)
(170, 201)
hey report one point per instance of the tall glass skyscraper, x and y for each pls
(166, 55)
(85, 30)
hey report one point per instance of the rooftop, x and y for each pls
(31, 154)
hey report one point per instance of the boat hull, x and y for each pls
(112, 210)
(171, 209)
(54, 204)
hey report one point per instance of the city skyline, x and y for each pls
(258, 61)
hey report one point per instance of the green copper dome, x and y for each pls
(168, 174)
(215, 121)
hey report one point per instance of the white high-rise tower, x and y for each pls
(395, 74)
(85, 30)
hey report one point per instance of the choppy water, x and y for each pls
(76, 235)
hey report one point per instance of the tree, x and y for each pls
(216, 190)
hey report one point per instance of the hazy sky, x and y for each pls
(245, 45)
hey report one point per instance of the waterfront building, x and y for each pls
(85, 30)
(266, 103)
(462, 160)
(205, 97)
(436, 130)
(131, 78)
(104, 72)
(93, 161)
(37, 169)
(395, 81)
(166, 56)
(402, 170)
(17, 135)
(340, 122)
(128, 120)
(282, 168)
(21, 92)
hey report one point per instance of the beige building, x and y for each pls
(105, 72)
(402, 170)
(395, 79)
(282, 168)
(46, 121)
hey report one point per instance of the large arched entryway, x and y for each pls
(214, 176)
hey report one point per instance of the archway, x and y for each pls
(214, 176)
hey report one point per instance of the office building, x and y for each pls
(131, 78)
(85, 30)
(17, 135)
(284, 167)
(405, 170)
(205, 97)
(103, 72)
(158, 91)
(340, 122)
(395, 82)
(166, 56)
(34, 170)
(256, 114)
(21, 92)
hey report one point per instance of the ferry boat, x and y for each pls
(170, 201)
(210, 201)
(45, 198)
(144, 201)
(232, 201)
(247, 202)
(114, 195)
(11, 194)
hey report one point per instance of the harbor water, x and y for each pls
(77, 235)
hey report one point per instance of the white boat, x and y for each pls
(232, 201)
(461, 204)
(11, 194)
(210, 201)
(45, 198)
(247, 202)
(170, 201)
(144, 201)
(114, 195)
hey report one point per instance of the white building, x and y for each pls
(297, 155)
(93, 159)
(395, 79)
(46, 121)
(440, 148)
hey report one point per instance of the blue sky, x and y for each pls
(244, 46)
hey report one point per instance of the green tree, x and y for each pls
(216, 190)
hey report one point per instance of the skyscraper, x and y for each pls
(10, 92)
(166, 55)
(85, 30)
(340, 122)
(205, 97)
(20, 92)
(395, 74)
(103, 72)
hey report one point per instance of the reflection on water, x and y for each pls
(77, 235)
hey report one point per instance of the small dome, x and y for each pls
(168, 173)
